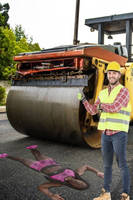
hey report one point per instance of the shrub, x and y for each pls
(2, 95)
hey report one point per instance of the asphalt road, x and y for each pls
(18, 182)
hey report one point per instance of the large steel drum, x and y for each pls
(50, 113)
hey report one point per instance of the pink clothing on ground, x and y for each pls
(61, 176)
(38, 165)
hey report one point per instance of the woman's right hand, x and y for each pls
(56, 197)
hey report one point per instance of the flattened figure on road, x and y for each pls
(55, 174)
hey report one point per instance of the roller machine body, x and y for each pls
(43, 100)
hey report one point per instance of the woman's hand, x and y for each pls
(56, 197)
(100, 174)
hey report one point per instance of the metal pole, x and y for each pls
(75, 39)
(129, 38)
(100, 34)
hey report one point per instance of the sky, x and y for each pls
(51, 22)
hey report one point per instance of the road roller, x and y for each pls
(42, 101)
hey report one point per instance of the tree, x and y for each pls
(19, 32)
(11, 45)
(34, 47)
(4, 14)
(23, 41)
(12, 42)
(7, 49)
(2, 95)
(24, 44)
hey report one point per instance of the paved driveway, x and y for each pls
(18, 182)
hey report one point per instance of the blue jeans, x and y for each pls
(117, 144)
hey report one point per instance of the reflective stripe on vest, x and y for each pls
(124, 112)
(114, 121)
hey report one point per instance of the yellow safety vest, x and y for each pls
(114, 121)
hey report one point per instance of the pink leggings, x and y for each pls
(38, 165)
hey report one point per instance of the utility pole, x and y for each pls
(75, 39)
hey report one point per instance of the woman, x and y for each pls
(54, 172)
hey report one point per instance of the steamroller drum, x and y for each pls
(51, 113)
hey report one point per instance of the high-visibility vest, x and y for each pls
(114, 121)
